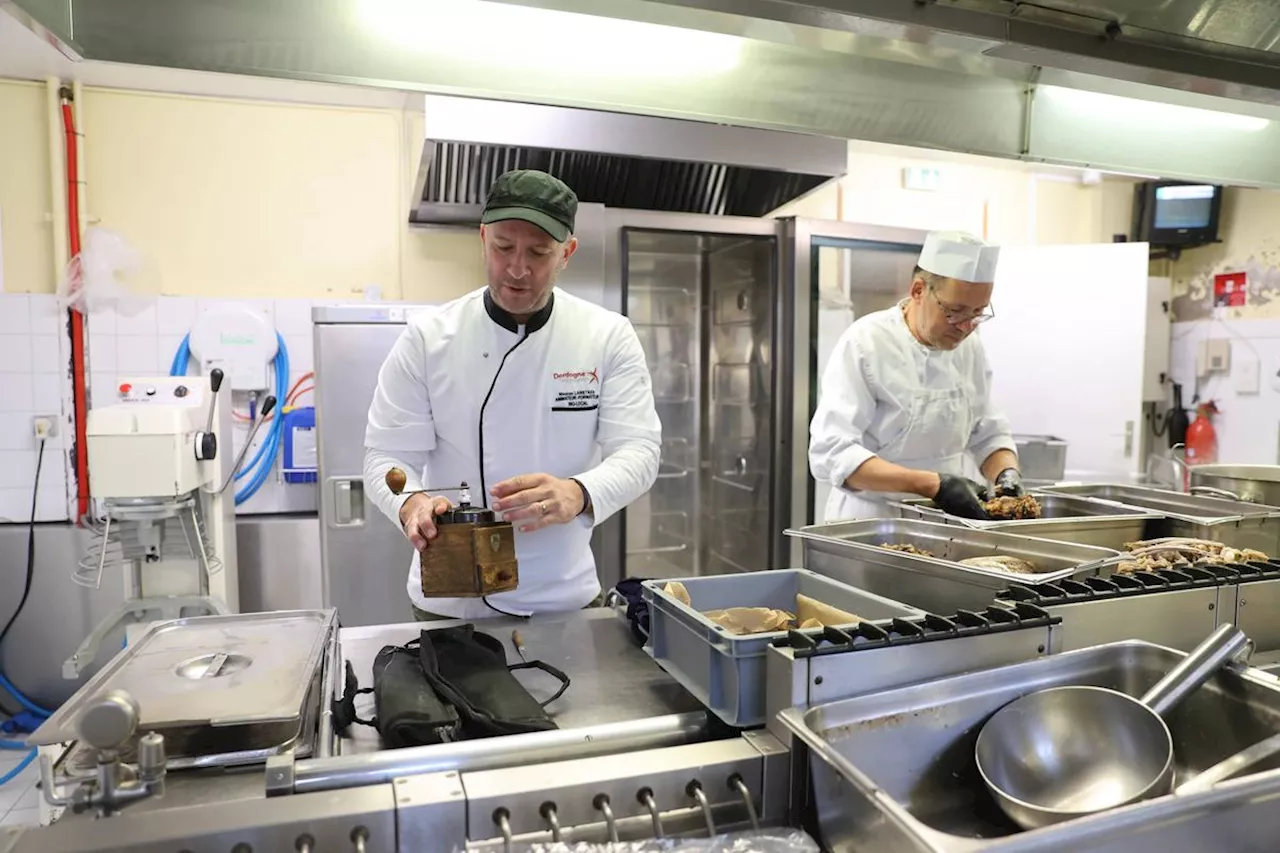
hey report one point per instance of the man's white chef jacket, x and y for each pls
(885, 394)
(467, 395)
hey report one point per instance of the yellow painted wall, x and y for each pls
(1007, 202)
(1250, 244)
(236, 198)
(26, 238)
(250, 198)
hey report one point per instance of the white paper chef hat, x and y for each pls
(958, 255)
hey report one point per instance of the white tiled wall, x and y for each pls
(35, 380)
(145, 344)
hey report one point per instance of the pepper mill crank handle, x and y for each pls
(396, 481)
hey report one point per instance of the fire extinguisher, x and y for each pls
(1202, 439)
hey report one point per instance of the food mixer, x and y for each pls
(160, 467)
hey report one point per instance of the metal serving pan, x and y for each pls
(1235, 523)
(1258, 484)
(1064, 518)
(895, 770)
(851, 551)
(210, 672)
(1053, 507)
(195, 747)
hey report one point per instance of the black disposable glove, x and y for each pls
(961, 497)
(1009, 484)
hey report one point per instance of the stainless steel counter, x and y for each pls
(612, 680)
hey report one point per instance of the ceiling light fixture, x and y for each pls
(518, 37)
(1170, 116)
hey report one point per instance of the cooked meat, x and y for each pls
(1013, 508)
(908, 549)
(1001, 563)
(1175, 551)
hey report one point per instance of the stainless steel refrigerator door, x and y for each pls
(833, 272)
(739, 435)
(364, 556)
(702, 303)
(663, 279)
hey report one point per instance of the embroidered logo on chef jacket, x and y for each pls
(575, 390)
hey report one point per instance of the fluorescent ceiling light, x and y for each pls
(515, 37)
(1171, 116)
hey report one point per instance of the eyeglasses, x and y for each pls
(960, 318)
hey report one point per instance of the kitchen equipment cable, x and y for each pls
(5, 684)
(31, 548)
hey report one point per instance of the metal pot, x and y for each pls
(1258, 484)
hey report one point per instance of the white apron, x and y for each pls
(936, 439)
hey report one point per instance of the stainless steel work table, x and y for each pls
(612, 680)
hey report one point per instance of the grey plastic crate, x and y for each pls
(726, 671)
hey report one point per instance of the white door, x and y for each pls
(1067, 347)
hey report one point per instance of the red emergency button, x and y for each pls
(125, 388)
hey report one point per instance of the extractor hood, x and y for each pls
(613, 159)
(1072, 82)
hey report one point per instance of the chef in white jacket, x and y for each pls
(906, 396)
(540, 401)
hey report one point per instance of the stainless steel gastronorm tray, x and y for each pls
(1053, 507)
(851, 551)
(895, 770)
(1236, 523)
(1065, 518)
(1163, 501)
(195, 747)
(262, 664)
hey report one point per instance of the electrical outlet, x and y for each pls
(1248, 375)
(44, 426)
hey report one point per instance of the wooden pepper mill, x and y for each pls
(473, 554)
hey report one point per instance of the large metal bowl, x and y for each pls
(1066, 752)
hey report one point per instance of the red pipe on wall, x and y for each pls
(78, 386)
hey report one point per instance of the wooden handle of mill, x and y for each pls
(396, 480)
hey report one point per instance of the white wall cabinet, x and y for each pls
(1079, 342)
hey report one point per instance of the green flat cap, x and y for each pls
(535, 197)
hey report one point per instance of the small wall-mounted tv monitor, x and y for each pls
(1174, 213)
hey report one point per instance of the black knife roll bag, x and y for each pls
(449, 684)
(468, 669)
(407, 711)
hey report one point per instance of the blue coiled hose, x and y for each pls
(259, 467)
(7, 685)
(6, 743)
(22, 765)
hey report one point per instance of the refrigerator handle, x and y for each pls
(348, 501)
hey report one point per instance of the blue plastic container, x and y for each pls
(300, 445)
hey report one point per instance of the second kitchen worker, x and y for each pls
(906, 396)
(540, 401)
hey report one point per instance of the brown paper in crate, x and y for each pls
(810, 613)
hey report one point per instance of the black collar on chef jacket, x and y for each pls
(499, 315)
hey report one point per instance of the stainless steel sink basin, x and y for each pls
(894, 771)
